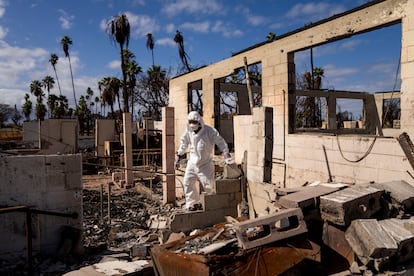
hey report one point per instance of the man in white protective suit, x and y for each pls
(200, 139)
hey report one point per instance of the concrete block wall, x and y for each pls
(242, 125)
(217, 206)
(42, 182)
(168, 155)
(260, 145)
(59, 136)
(307, 162)
(104, 131)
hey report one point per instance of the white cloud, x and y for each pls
(2, 8)
(192, 7)
(255, 20)
(165, 42)
(65, 19)
(225, 30)
(142, 24)
(200, 27)
(170, 28)
(314, 11)
(115, 64)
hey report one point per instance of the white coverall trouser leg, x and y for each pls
(204, 174)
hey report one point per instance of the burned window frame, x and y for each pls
(195, 96)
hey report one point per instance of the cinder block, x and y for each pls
(225, 186)
(369, 241)
(270, 228)
(307, 198)
(232, 171)
(220, 201)
(356, 202)
(400, 191)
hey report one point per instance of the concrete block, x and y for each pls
(306, 198)
(356, 202)
(402, 231)
(270, 228)
(232, 171)
(369, 241)
(183, 221)
(225, 186)
(219, 201)
(401, 191)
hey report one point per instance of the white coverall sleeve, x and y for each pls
(219, 141)
(184, 142)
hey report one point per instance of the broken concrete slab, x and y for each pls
(369, 241)
(401, 191)
(274, 227)
(402, 231)
(306, 198)
(355, 202)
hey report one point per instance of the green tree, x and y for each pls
(53, 61)
(82, 112)
(65, 42)
(108, 95)
(62, 107)
(132, 69)
(36, 90)
(27, 107)
(119, 29)
(48, 83)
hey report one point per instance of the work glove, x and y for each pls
(227, 158)
(177, 161)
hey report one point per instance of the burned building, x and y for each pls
(279, 152)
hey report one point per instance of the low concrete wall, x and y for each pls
(50, 183)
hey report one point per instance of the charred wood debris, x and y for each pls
(344, 230)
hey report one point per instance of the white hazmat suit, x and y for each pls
(200, 139)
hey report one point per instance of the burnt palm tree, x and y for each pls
(119, 30)
(150, 45)
(65, 42)
(53, 61)
(179, 39)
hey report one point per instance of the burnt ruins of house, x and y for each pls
(315, 193)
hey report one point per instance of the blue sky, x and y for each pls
(213, 29)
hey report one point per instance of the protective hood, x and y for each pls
(195, 116)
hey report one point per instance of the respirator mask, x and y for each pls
(194, 125)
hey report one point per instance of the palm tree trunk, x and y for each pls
(124, 85)
(73, 85)
(57, 80)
